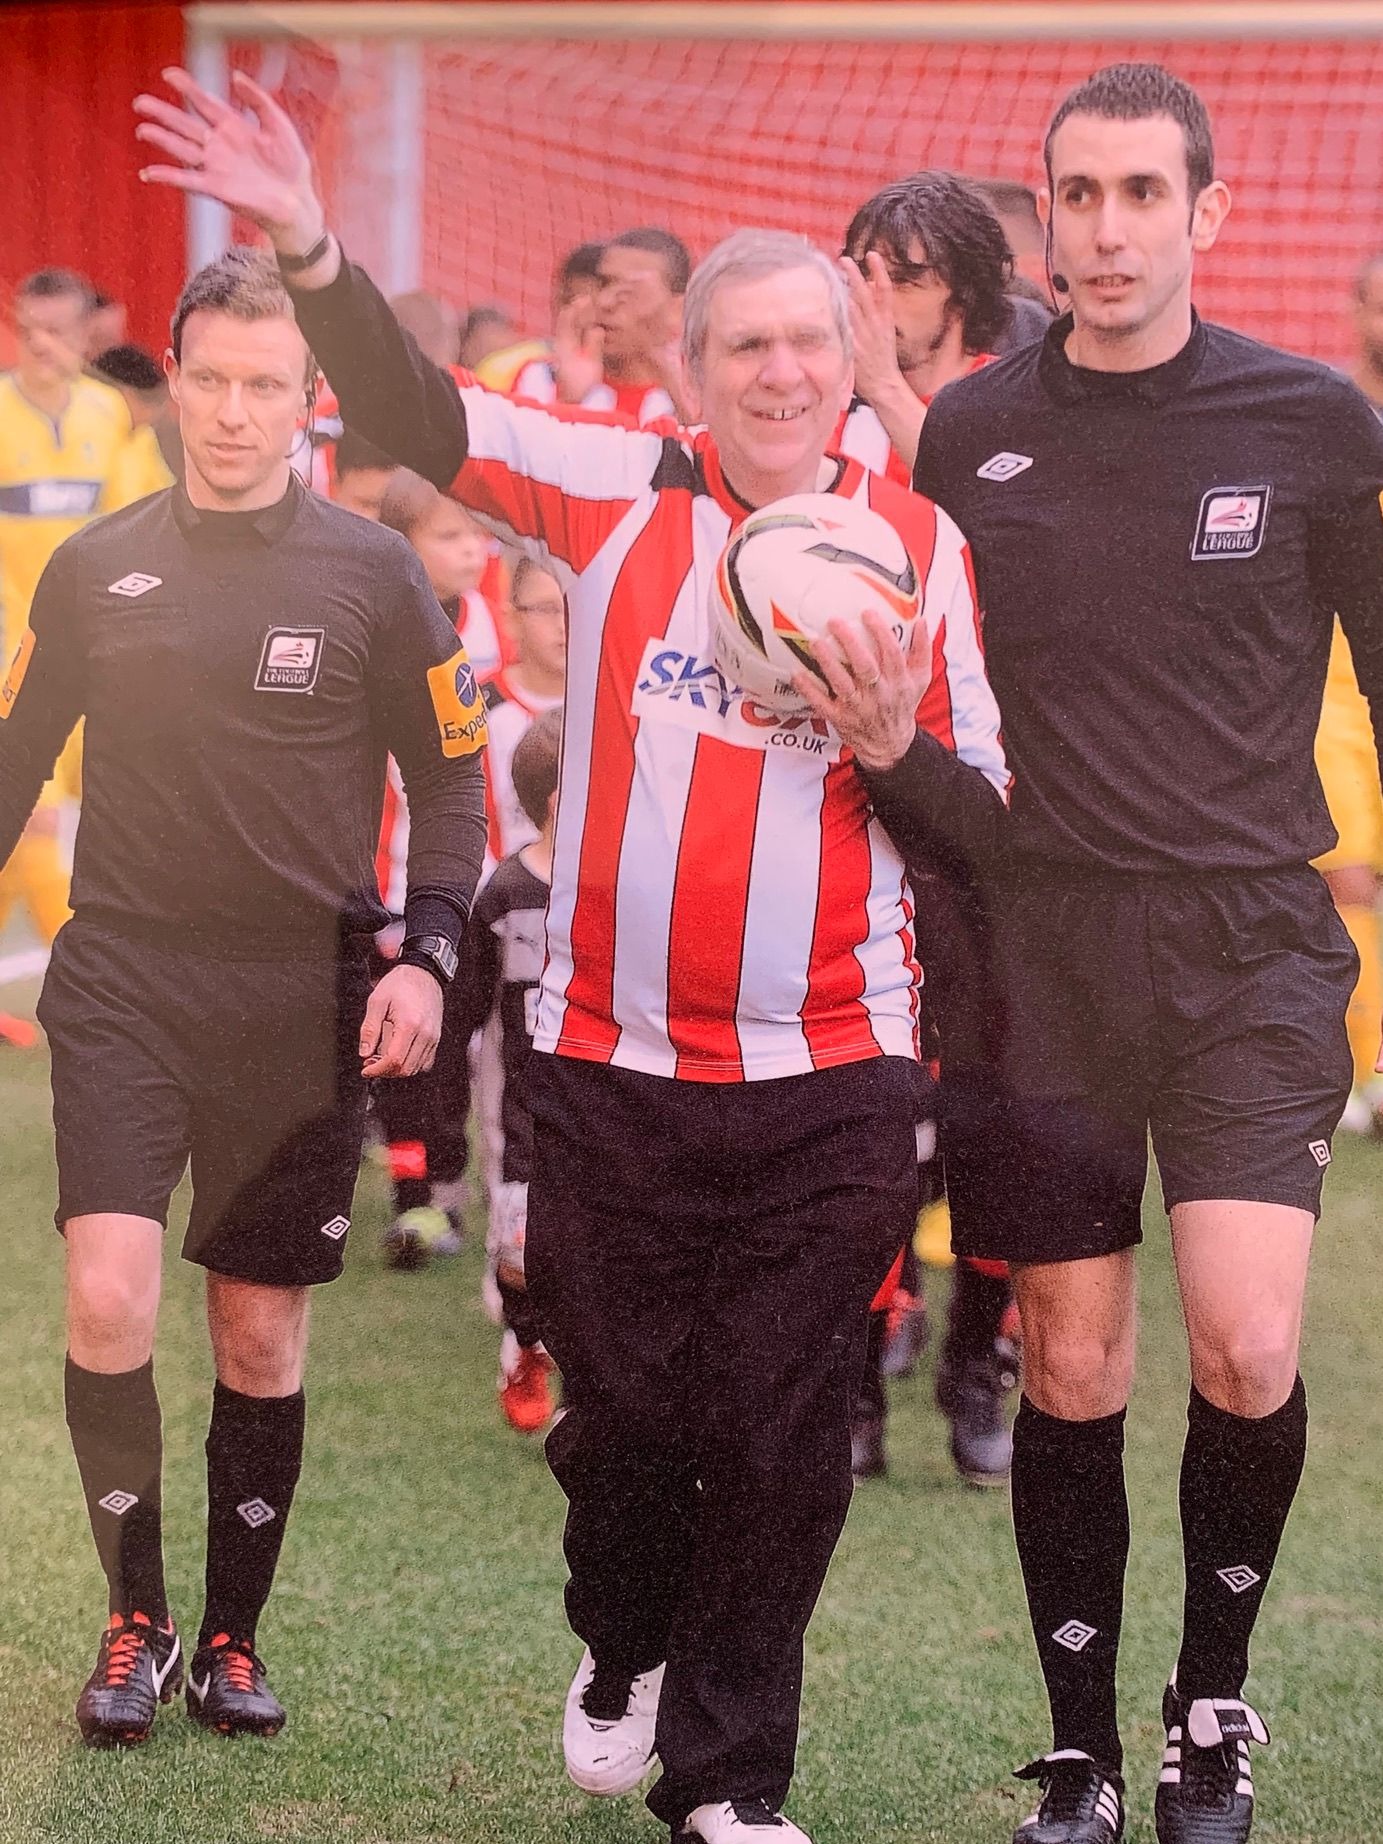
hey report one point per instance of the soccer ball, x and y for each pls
(789, 569)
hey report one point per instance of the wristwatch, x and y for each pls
(434, 952)
(294, 265)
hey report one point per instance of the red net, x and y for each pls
(530, 146)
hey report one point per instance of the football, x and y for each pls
(786, 572)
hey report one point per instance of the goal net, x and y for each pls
(465, 154)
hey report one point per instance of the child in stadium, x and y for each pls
(505, 949)
(530, 684)
(454, 552)
(424, 1120)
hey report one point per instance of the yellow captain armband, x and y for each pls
(458, 705)
(14, 678)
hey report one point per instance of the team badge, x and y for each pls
(14, 678)
(1231, 523)
(458, 706)
(291, 659)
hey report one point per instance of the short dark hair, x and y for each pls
(48, 284)
(1135, 93)
(536, 763)
(582, 262)
(353, 451)
(131, 366)
(244, 283)
(963, 240)
(676, 256)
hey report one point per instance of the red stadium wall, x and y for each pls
(71, 192)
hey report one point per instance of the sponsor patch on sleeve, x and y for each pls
(14, 678)
(459, 707)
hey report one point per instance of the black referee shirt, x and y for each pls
(1159, 557)
(242, 677)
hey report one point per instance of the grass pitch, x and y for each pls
(417, 1638)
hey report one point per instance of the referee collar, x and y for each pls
(1070, 383)
(206, 525)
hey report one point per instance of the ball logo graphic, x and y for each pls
(791, 568)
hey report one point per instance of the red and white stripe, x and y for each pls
(724, 907)
(860, 435)
(509, 711)
(641, 403)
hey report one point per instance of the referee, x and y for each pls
(245, 656)
(1165, 517)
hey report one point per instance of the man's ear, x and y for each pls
(171, 372)
(1207, 219)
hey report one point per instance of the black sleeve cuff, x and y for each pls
(941, 813)
(435, 912)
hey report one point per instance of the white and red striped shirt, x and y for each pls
(641, 403)
(509, 710)
(861, 435)
(725, 907)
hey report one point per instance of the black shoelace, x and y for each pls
(1209, 1776)
(606, 1697)
(1069, 1790)
(754, 1812)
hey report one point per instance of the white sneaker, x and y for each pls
(608, 1755)
(740, 1821)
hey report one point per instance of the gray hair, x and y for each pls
(749, 256)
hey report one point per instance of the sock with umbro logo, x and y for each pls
(117, 1435)
(1238, 1479)
(254, 1454)
(1071, 1525)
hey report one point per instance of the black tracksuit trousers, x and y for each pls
(701, 1258)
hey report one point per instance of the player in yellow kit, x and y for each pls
(68, 450)
(1348, 767)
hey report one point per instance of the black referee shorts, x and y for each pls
(1207, 1012)
(250, 1069)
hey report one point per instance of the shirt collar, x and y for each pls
(1070, 383)
(201, 525)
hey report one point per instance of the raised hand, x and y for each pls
(577, 352)
(254, 162)
(871, 325)
(877, 377)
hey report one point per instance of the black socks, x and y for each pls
(1070, 1519)
(1238, 1480)
(117, 1436)
(254, 1452)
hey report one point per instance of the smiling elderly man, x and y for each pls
(723, 1090)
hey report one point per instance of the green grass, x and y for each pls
(417, 1637)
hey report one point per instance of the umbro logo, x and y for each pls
(1003, 466)
(1320, 1152)
(118, 1503)
(1075, 1635)
(336, 1228)
(1238, 1578)
(136, 583)
(256, 1513)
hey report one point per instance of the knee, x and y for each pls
(1077, 1373)
(1246, 1371)
(110, 1304)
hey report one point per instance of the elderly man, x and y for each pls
(724, 1163)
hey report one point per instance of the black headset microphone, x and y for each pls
(1056, 282)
